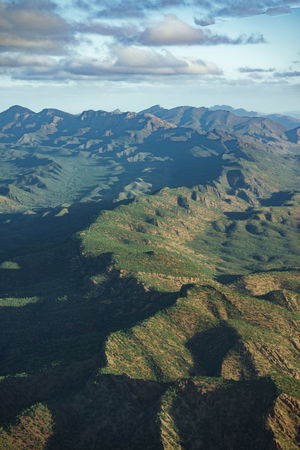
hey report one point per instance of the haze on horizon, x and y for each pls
(76, 55)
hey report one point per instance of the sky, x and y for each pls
(77, 55)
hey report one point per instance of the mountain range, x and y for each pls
(51, 157)
(149, 279)
(288, 121)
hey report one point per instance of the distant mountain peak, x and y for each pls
(281, 119)
(237, 111)
(17, 109)
(152, 110)
(53, 112)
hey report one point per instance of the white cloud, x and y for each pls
(34, 27)
(12, 60)
(122, 62)
(170, 31)
(129, 60)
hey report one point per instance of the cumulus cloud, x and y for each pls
(255, 69)
(35, 26)
(122, 62)
(173, 31)
(136, 61)
(32, 26)
(170, 31)
(38, 38)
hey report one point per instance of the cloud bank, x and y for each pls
(170, 31)
(173, 31)
(42, 39)
(121, 62)
(31, 26)
(209, 9)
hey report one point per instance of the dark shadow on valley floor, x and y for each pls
(57, 342)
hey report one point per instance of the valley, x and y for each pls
(149, 280)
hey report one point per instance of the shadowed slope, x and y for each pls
(106, 349)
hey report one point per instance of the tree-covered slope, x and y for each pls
(166, 321)
(127, 339)
(52, 158)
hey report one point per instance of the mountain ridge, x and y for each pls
(105, 156)
(149, 281)
(288, 121)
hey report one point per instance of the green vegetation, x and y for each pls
(17, 301)
(212, 331)
(120, 336)
(156, 235)
(32, 429)
(52, 158)
(9, 265)
(169, 321)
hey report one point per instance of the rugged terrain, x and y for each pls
(132, 320)
(53, 158)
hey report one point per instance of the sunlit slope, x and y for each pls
(170, 322)
(213, 330)
(179, 236)
(216, 370)
(51, 157)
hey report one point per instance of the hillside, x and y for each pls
(162, 321)
(205, 119)
(53, 158)
(137, 299)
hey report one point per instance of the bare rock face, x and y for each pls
(284, 422)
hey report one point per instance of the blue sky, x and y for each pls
(106, 54)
